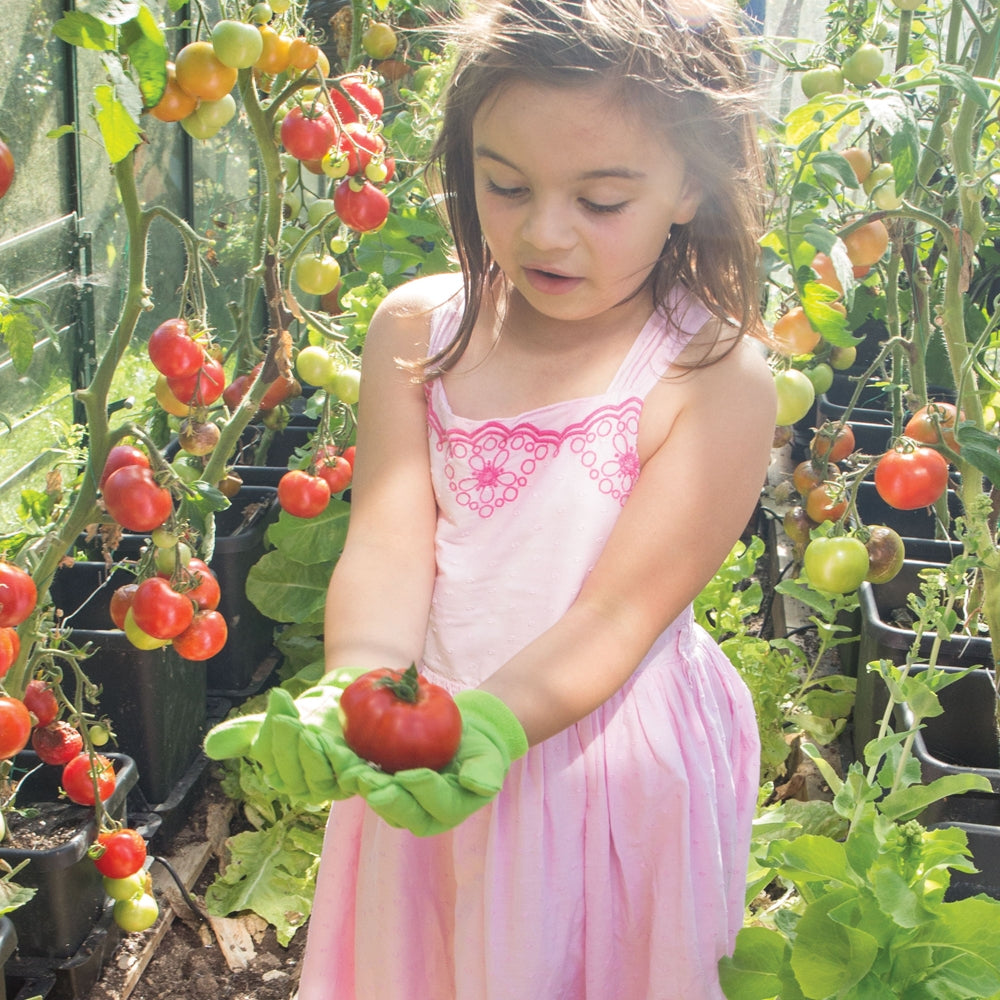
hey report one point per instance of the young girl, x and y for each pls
(557, 448)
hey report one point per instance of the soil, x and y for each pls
(185, 959)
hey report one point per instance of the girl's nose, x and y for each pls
(548, 226)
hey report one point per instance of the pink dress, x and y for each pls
(612, 865)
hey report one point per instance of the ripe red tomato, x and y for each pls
(57, 743)
(308, 134)
(40, 700)
(336, 470)
(78, 779)
(18, 595)
(15, 726)
(358, 144)
(908, 478)
(173, 351)
(119, 853)
(205, 591)
(203, 638)
(233, 394)
(202, 388)
(6, 168)
(10, 647)
(366, 97)
(832, 442)
(836, 564)
(159, 611)
(120, 456)
(363, 207)
(934, 423)
(399, 720)
(135, 500)
(303, 495)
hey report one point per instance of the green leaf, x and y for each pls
(980, 449)
(810, 858)
(907, 803)
(288, 591)
(314, 540)
(959, 76)
(145, 45)
(13, 896)
(968, 965)
(752, 971)
(904, 154)
(18, 333)
(835, 167)
(119, 128)
(85, 31)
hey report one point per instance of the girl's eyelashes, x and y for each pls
(591, 206)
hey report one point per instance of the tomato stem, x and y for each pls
(402, 685)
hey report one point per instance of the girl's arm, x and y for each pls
(379, 595)
(693, 498)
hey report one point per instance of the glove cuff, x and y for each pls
(490, 709)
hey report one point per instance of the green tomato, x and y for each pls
(280, 6)
(828, 79)
(864, 65)
(841, 358)
(99, 734)
(237, 44)
(880, 184)
(210, 117)
(379, 40)
(139, 638)
(261, 13)
(125, 888)
(291, 167)
(317, 274)
(821, 376)
(320, 209)
(167, 559)
(315, 366)
(838, 565)
(796, 396)
(136, 914)
(346, 385)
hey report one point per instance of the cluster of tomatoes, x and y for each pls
(120, 856)
(306, 492)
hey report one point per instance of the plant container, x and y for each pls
(70, 900)
(155, 700)
(8, 944)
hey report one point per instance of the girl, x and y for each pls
(556, 451)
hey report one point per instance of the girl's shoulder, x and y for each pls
(405, 317)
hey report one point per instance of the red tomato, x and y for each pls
(6, 168)
(172, 350)
(359, 145)
(203, 638)
(159, 611)
(826, 502)
(908, 478)
(135, 500)
(10, 647)
(303, 495)
(349, 454)
(120, 456)
(832, 442)
(15, 726)
(205, 590)
(233, 394)
(121, 601)
(78, 779)
(307, 135)
(119, 853)
(934, 423)
(18, 595)
(57, 743)
(203, 388)
(399, 720)
(363, 207)
(40, 700)
(366, 97)
(337, 472)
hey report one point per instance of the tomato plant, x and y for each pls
(18, 594)
(837, 564)
(399, 720)
(204, 638)
(135, 500)
(15, 726)
(159, 610)
(79, 778)
(911, 477)
(118, 853)
(6, 168)
(57, 743)
(303, 495)
(935, 424)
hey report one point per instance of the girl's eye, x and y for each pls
(598, 209)
(504, 192)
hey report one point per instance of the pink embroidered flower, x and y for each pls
(488, 484)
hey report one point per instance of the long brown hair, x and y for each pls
(677, 63)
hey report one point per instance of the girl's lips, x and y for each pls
(549, 282)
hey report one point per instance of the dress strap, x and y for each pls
(444, 323)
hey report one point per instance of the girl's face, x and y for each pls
(575, 194)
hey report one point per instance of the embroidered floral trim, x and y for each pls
(486, 468)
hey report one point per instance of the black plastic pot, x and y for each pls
(873, 405)
(70, 900)
(8, 943)
(269, 469)
(156, 701)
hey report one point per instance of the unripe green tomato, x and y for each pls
(280, 6)
(125, 888)
(828, 79)
(880, 185)
(908, 4)
(164, 538)
(261, 13)
(320, 209)
(210, 117)
(841, 358)
(184, 471)
(335, 163)
(315, 366)
(139, 638)
(99, 734)
(168, 559)
(836, 564)
(293, 204)
(796, 396)
(291, 167)
(821, 376)
(136, 914)
(338, 244)
(237, 44)
(346, 385)
(379, 40)
(317, 274)
(864, 65)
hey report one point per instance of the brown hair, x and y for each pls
(680, 62)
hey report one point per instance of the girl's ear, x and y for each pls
(689, 199)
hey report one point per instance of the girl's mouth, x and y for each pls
(550, 282)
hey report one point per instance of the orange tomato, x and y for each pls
(867, 244)
(276, 54)
(302, 54)
(826, 502)
(826, 274)
(201, 74)
(175, 103)
(860, 161)
(792, 333)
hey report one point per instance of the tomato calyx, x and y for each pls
(404, 686)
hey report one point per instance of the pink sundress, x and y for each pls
(612, 865)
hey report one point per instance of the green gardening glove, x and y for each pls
(298, 743)
(425, 801)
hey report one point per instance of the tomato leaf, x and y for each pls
(980, 449)
(834, 167)
(959, 76)
(119, 127)
(145, 45)
(85, 31)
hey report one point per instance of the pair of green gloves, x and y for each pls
(300, 746)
